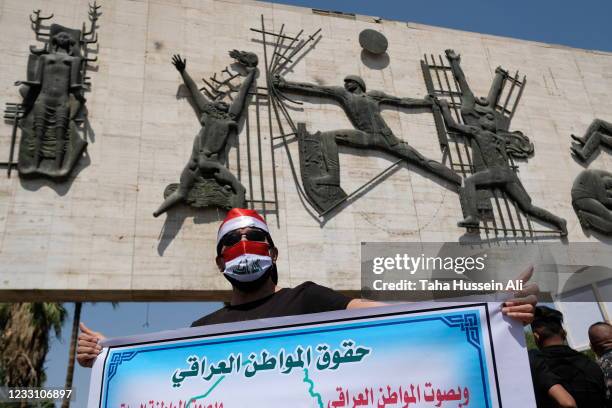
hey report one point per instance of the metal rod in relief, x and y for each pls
(466, 145)
(288, 118)
(13, 141)
(456, 113)
(514, 82)
(283, 136)
(486, 227)
(271, 33)
(248, 138)
(518, 216)
(12, 151)
(450, 156)
(529, 224)
(508, 211)
(438, 121)
(265, 46)
(493, 219)
(238, 150)
(450, 89)
(518, 97)
(518, 230)
(274, 102)
(298, 49)
(365, 185)
(284, 54)
(273, 59)
(261, 201)
(261, 181)
(499, 211)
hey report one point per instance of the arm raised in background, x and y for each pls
(497, 86)
(239, 101)
(464, 87)
(199, 99)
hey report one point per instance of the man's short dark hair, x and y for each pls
(548, 322)
(599, 324)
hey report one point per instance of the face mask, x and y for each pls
(247, 261)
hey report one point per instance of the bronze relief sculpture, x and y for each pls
(598, 134)
(370, 132)
(53, 105)
(592, 200)
(205, 181)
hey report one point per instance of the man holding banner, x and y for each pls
(246, 256)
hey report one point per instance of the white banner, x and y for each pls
(435, 355)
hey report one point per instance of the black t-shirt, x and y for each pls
(543, 378)
(580, 376)
(305, 298)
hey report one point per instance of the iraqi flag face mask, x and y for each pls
(246, 261)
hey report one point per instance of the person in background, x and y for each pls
(600, 336)
(555, 363)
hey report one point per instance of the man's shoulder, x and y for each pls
(209, 318)
(306, 287)
(376, 94)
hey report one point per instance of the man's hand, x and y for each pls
(522, 307)
(452, 55)
(88, 347)
(500, 70)
(431, 99)
(179, 62)
(278, 81)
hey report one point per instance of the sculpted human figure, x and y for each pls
(592, 200)
(53, 98)
(474, 108)
(219, 120)
(491, 169)
(371, 130)
(598, 133)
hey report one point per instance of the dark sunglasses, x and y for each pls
(233, 237)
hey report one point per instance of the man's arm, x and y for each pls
(457, 71)
(76, 87)
(363, 303)
(451, 124)
(306, 88)
(401, 102)
(238, 103)
(199, 99)
(560, 395)
(497, 86)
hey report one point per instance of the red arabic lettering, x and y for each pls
(173, 404)
(404, 397)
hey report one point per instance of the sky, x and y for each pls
(121, 319)
(583, 24)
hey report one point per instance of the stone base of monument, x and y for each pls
(206, 192)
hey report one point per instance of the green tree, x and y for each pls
(24, 341)
(72, 353)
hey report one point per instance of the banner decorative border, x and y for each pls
(468, 322)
